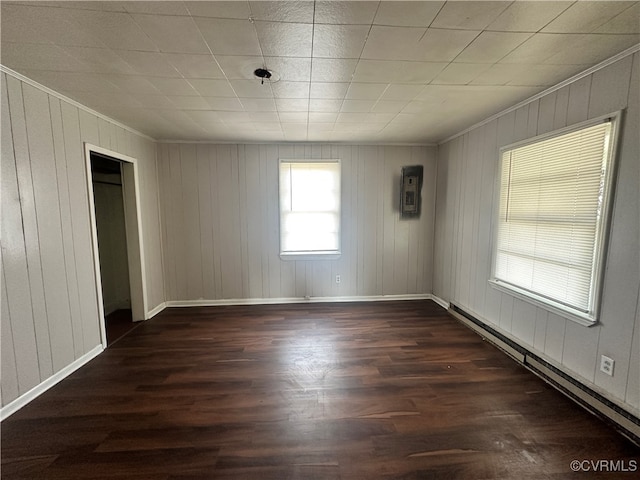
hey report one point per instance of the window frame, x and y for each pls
(591, 317)
(310, 255)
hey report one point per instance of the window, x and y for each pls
(552, 218)
(310, 209)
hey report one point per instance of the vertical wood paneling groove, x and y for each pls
(30, 225)
(236, 206)
(50, 311)
(459, 238)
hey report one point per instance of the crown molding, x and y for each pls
(537, 96)
(76, 104)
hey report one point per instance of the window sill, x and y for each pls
(310, 256)
(558, 309)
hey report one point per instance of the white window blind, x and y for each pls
(309, 208)
(551, 218)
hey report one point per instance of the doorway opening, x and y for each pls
(108, 198)
(115, 221)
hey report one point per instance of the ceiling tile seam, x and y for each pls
(364, 44)
(76, 104)
(237, 97)
(537, 96)
(264, 64)
(313, 38)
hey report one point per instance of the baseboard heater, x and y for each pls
(623, 421)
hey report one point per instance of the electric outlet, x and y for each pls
(338, 279)
(606, 365)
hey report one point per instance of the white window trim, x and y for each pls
(308, 255)
(591, 318)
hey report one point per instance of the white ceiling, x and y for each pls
(387, 72)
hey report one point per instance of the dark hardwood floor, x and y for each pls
(315, 391)
(118, 323)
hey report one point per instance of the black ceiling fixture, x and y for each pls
(262, 73)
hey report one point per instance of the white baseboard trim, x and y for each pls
(39, 389)
(287, 300)
(443, 303)
(156, 310)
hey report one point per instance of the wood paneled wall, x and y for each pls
(467, 170)
(49, 305)
(220, 223)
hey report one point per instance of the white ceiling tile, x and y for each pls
(154, 101)
(295, 12)
(115, 30)
(365, 91)
(585, 17)
(324, 105)
(234, 117)
(100, 60)
(41, 57)
(498, 74)
(203, 116)
(403, 43)
(172, 86)
(529, 16)
(189, 103)
(389, 106)
(212, 88)
(357, 105)
(290, 89)
(72, 81)
(591, 49)
(293, 117)
(258, 104)
(541, 46)
(156, 7)
(292, 104)
(251, 89)
(346, 13)
(265, 118)
(148, 63)
(627, 21)
(111, 6)
(271, 127)
(225, 104)
(172, 34)
(401, 92)
(460, 73)
(285, 39)
(364, 118)
(490, 47)
(132, 84)
(194, 66)
(237, 67)
(321, 127)
(381, 71)
(544, 75)
(219, 9)
(339, 41)
(113, 61)
(24, 23)
(328, 90)
(289, 68)
(407, 14)
(468, 15)
(332, 69)
(228, 36)
(323, 117)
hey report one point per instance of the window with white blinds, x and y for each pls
(309, 208)
(551, 226)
